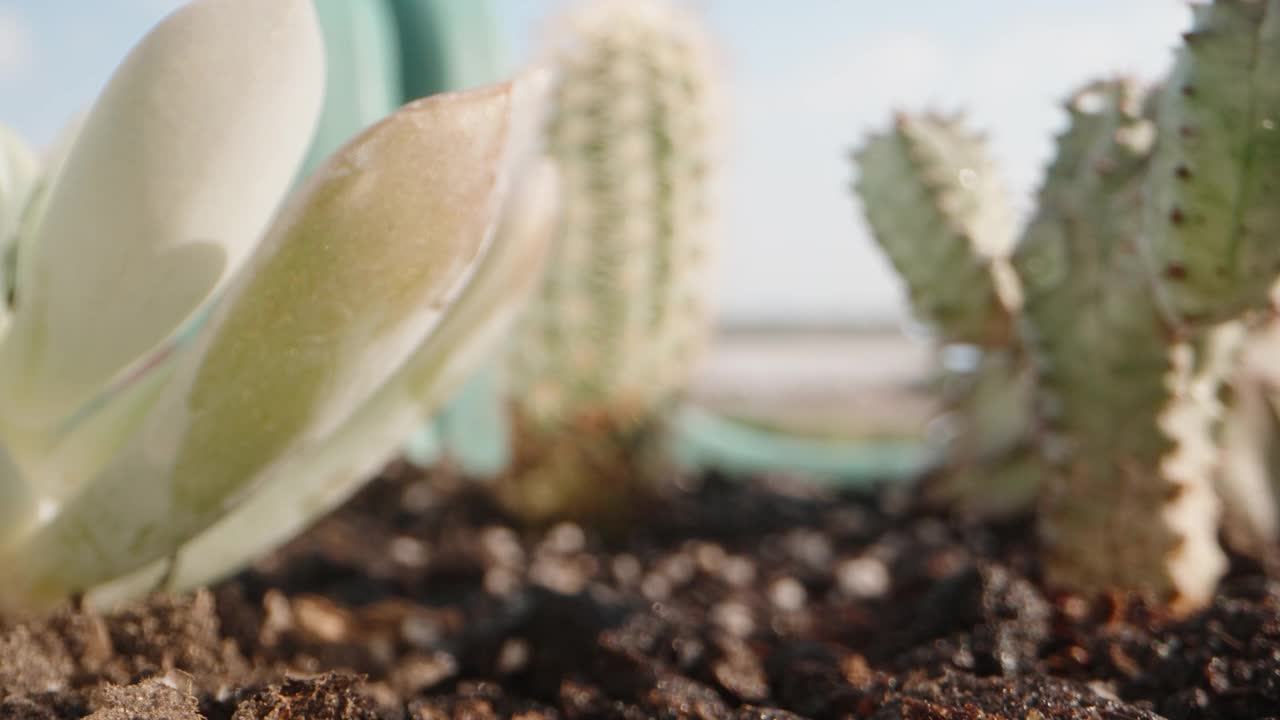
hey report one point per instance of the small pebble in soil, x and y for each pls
(863, 577)
(787, 594)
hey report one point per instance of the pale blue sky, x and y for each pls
(809, 79)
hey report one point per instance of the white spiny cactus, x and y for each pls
(612, 336)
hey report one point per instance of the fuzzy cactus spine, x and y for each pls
(610, 342)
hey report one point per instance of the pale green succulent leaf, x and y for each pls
(935, 204)
(354, 274)
(37, 203)
(19, 179)
(302, 490)
(1125, 504)
(170, 183)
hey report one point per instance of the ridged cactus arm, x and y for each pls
(123, 233)
(989, 466)
(1127, 410)
(446, 45)
(1213, 217)
(623, 307)
(935, 205)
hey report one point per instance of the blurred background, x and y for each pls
(809, 79)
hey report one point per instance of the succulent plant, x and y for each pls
(447, 45)
(1127, 405)
(477, 322)
(936, 206)
(933, 198)
(610, 340)
(1145, 265)
(1249, 480)
(237, 348)
(1211, 218)
(988, 464)
(381, 54)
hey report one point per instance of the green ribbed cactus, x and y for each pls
(1127, 405)
(936, 205)
(1213, 216)
(1150, 259)
(19, 181)
(611, 340)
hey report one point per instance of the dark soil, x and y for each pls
(747, 601)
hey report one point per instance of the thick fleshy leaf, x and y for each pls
(315, 482)
(19, 177)
(19, 505)
(37, 202)
(350, 280)
(79, 445)
(19, 180)
(176, 173)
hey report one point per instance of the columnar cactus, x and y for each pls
(1127, 406)
(381, 54)
(935, 203)
(611, 339)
